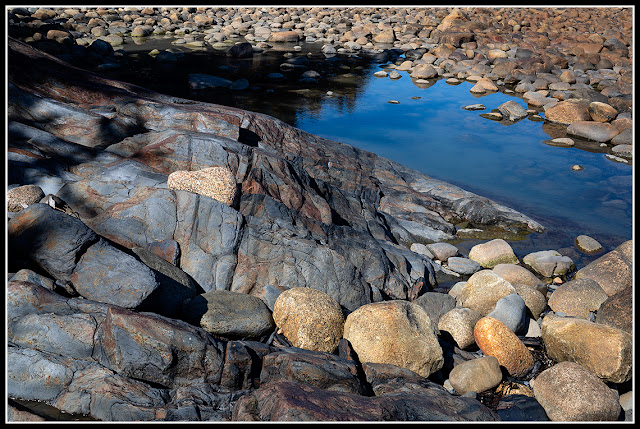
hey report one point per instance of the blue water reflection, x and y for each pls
(508, 163)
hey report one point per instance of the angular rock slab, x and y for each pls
(317, 369)
(49, 237)
(158, 350)
(208, 233)
(569, 392)
(37, 376)
(604, 350)
(288, 401)
(107, 274)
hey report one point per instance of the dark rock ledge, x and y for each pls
(108, 339)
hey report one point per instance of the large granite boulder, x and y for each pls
(395, 332)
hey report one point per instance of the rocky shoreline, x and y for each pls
(174, 260)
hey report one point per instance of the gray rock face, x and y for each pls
(288, 401)
(50, 238)
(311, 212)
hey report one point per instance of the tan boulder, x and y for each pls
(394, 332)
(459, 323)
(284, 36)
(476, 375)
(577, 297)
(602, 112)
(309, 318)
(567, 112)
(423, 71)
(215, 182)
(492, 253)
(570, 392)
(533, 299)
(23, 196)
(483, 290)
(604, 350)
(613, 270)
(519, 274)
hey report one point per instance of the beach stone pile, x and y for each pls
(310, 295)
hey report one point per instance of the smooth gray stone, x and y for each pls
(511, 310)
(463, 265)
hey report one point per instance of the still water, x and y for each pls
(428, 130)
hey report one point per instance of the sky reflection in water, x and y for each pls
(508, 163)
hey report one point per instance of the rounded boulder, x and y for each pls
(569, 392)
(395, 332)
(309, 318)
(492, 253)
(494, 338)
